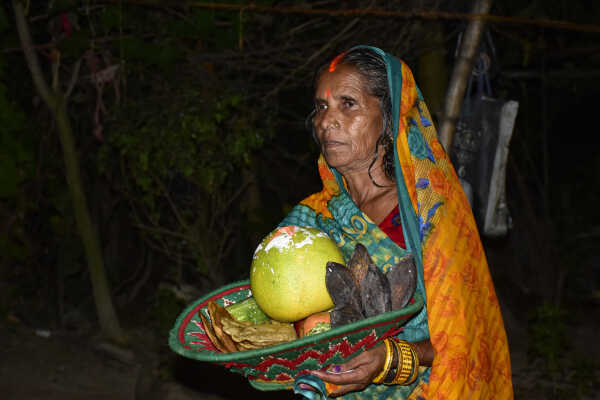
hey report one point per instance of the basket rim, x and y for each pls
(211, 356)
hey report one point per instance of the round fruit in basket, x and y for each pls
(287, 275)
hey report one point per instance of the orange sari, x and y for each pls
(462, 316)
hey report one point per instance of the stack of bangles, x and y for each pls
(401, 365)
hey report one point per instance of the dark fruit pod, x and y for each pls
(359, 263)
(344, 315)
(375, 292)
(402, 278)
(344, 293)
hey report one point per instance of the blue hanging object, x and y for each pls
(480, 148)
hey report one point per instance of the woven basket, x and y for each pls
(275, 367)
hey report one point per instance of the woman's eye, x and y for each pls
(348, 103)
(320, 106)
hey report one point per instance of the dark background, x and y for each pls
(188, 124)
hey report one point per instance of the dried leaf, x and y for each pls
(211, 333)
(217, 315)
(245, 345)
(261, 335)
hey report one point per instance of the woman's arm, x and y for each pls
(359, 372)
(425, 352)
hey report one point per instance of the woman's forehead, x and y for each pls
(344, 77)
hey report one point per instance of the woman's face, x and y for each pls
(348, 119)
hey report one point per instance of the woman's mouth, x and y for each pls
(332, 144)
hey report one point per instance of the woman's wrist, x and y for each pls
(425, 352)
(401, 365)
(387, 364)
(408, 364)
(395, 364)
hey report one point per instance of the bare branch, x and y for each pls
(316, 54)
(233, 198)
(55, 70)
(74, 78)
(31, 57)
(162, 231)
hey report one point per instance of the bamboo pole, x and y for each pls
(460, 74)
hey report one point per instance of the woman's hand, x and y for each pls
(359, 372)
(355, 374)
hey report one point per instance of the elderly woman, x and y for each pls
(388, 184)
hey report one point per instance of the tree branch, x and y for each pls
(55, 71)
(310, 59)
(31, 57)
(74, 78)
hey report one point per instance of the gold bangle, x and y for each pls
(389, 378)
(415, 371)
(405, 365)
(387, 364)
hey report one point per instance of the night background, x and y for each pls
(146, 147)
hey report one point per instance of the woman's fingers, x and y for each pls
(373, 358)
(353, 375)
(344, 377)
(364, 366)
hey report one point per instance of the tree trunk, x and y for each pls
(461, 73)
(109, 321)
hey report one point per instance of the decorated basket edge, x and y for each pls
(210, 356)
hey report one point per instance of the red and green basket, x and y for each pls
(276, 367)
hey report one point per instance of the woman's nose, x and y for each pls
(328, 119)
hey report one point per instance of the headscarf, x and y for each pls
(462, 317)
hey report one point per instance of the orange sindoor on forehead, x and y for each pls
(328, 93)
(334, 63)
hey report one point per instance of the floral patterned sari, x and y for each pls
(462, 316)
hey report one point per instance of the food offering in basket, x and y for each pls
(301, 310)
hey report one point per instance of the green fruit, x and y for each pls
(247, 310)
(287, 276)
